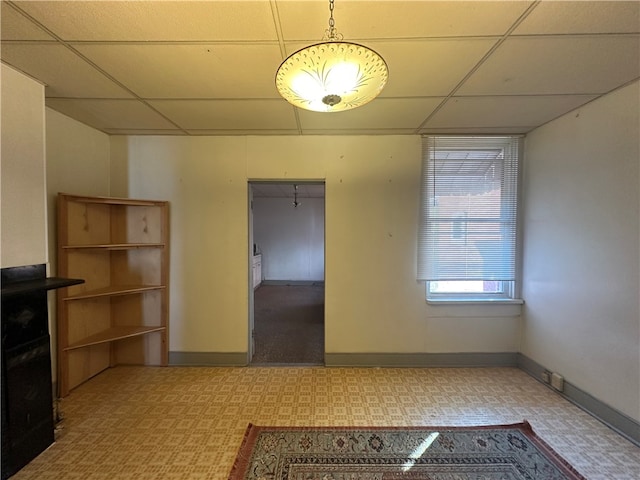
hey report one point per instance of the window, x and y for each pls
(468, 229)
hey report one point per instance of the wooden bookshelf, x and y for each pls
(119, 315)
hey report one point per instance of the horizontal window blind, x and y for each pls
(468, 212)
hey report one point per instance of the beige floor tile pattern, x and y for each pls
(150, 423)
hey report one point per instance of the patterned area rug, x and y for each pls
(505, 452)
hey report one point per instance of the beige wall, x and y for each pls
(22, 167)
(77, 163)
(582, 246)
(373, 302)
(582, 238)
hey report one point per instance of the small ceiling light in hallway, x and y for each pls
(296, 203)
(332, 76)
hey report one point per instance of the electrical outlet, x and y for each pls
(546, 376)
(557, 381)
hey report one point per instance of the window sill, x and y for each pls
(475, 301)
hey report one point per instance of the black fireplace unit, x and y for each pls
(27, 391)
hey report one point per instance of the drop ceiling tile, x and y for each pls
(111, 114)
(268, 190)
(429, 67)
(230, 52)
(15, 26)
(313, 190)
(557, 65)
(155, 20)
(582, 17)
(286, 190)
(503, 112)
(424, 67)
(228, 114)
(307, 20)
(190, 71)
(64, 73)
(265, 191)
(380, 113)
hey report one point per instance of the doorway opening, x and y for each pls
(286, 226)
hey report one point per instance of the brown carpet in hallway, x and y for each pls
(289, 324)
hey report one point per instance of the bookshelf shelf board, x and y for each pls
(112, 334)
(114, 291)
(114, 246)
(114, 201)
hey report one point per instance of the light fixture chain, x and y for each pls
(331, 34)
(331, 7)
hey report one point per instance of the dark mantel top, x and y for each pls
(31, 278)
(39, 284)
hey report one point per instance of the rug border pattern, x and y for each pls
(241, 463)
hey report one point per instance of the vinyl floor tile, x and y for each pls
(187, 423)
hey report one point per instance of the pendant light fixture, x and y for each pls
(332, 76)
(296, 203)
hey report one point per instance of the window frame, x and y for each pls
(510, 289)
(507, 295)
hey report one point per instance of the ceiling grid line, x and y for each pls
(283, 53)
(63, 43)
(479, 64)
(208, 68)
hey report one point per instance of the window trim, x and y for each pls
(475, 301)
(506, 297)
(511, 288)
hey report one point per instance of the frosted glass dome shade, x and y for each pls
(332, 76)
